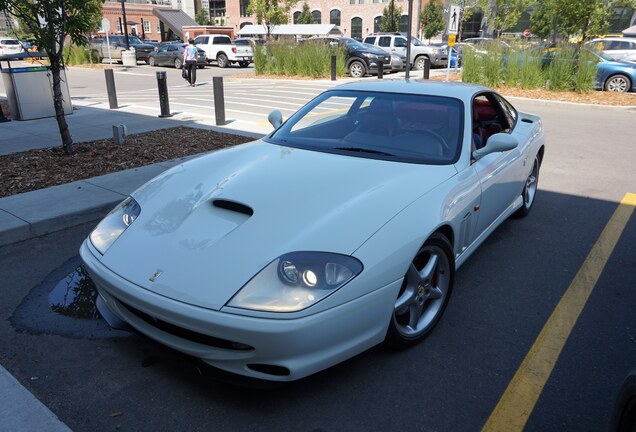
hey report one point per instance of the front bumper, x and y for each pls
(264, 348)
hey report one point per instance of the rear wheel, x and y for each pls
(221, 60)
(425, 292)
(244, 64)
(178, 63)
(618, 83)
(420, 62)
(357, 69)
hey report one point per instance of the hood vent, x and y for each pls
(233, 206)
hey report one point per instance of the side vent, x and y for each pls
(233, 206)
(526, 120)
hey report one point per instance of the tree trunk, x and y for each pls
(67, 141)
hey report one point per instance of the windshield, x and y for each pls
(352, 43)
(134, 40)
(415, 41)
(390, 126)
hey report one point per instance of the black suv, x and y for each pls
(360, 59)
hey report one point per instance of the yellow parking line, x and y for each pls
(518, 401)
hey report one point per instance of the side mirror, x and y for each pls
(275, 118)
(499, 142)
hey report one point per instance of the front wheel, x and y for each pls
(152, 62)
(357, 69)
(618, 83)
(221, 60)
(178, 63)
(530, 189)
(420, 62)
(425, 292)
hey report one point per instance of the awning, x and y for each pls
(174, 19)
(289, 29)
(631, 31)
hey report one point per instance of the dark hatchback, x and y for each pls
(171, 54)
(362, 59)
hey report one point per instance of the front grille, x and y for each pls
(186, 334)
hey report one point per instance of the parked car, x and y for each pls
(118, 44)
(219, 48)
(10, 46)
(624, 415)
(614, 75)
(340, 230)
(362, 59)
(398, 62)
(619, 48)
(420, 52)
(172, 55)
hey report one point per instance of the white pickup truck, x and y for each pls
(219, 48)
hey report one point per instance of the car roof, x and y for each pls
(457, 90)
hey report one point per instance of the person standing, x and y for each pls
(190, 54)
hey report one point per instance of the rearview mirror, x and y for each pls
(275, 118)
(499, 142)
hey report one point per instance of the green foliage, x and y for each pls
(503, 14)
(201, 17)
(75, 55)
(432, 19)
(566, 68)
(311, 59)
(391, 18)
(271, 12)
(542, 21)
(305, 16)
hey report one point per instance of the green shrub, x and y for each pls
(76, 55)
(586, 73)
(309, 59)
(562, 68)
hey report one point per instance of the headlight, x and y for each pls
(370, 56)
(296, 281)
(114, 224)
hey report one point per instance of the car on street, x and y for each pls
(116, 44)
(614, 75)
(420, 53)
(398, 63)
(619, 48)
(10, 46)
(340, 230)
(171, 54)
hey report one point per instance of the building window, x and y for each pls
(334, 17)
(404, 23)
(352, 1)
(296, 15)
(243, 6)
(147, 27)
(118, 26)
(361, 1)
(159, 26)
(356, 28)
(317, 17)
(376, 24)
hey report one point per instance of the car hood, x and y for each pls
(209, 225)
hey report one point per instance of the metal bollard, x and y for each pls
(110, 88)
(219, 100)
(380, 68)
(333, 68)
(164, 103)
(427, 68)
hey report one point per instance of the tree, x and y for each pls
(391, 18)
(305, 16)
(271, 12)
(503, 14)
(51, 22)
(542, 21)
(201, 17)
(432, 19)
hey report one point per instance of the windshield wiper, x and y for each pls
(363, 150)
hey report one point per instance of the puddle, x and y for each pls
(75, 296)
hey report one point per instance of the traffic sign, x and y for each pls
(105, 25)
(453, 20)
(451, 40)
(526, 33)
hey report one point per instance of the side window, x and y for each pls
(400, 42)
(201, 40)
(509, 112)
(370, 40)
(385, 41)
(164, 48)
(221, 40)
(489, 118)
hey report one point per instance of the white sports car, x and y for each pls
(340, 230)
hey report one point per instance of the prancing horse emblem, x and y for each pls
(155, 276)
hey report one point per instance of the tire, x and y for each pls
(618, 83)
(244, 64)
(420, 61)
(178, 63)
(200, 66)
(530, 189)
(221, 60)
(357, 69)
(152, 62)
(624, 417)
(425, 292)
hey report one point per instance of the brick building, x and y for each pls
(140, 19)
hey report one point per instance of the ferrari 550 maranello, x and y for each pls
(340, 230)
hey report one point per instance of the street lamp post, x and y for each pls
(123, 12)
(408, 40)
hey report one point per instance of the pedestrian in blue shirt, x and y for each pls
(190, 54)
